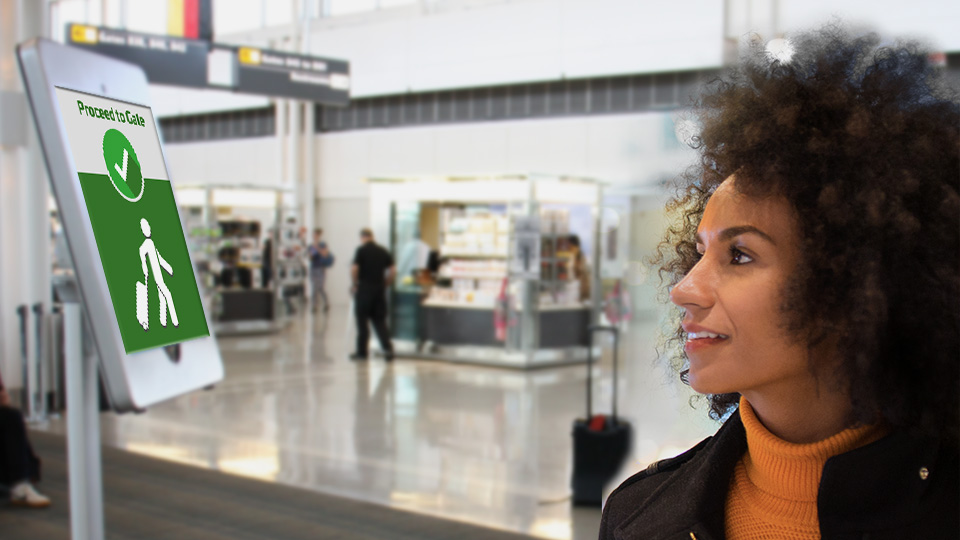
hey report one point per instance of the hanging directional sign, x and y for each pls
(166, 60)
(262, 71)
(201, 64)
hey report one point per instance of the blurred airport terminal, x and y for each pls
(513, 156)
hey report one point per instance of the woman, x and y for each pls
(816, 266)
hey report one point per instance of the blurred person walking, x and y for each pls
(372, 272)
(320, 260)
(581, 270)
(19, 465)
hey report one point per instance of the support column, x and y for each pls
(35, 251)
(306, 192)
(280, 121)
(24, 216)
(291, 179)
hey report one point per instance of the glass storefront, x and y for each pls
(500, 270)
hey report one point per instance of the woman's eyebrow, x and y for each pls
(733, 232)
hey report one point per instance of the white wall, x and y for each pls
(250, 162)
(631, 149)
(509, 42)
(937, 21)
(455, 44)
(463, 43)
(173, 101)
(341, 220)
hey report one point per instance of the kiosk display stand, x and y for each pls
(150, 336)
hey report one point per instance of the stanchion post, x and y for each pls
(38, 409)
(23, 312)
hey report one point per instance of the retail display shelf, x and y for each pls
(475, 275)
(459, 305)
(454, 255)
(562, 307)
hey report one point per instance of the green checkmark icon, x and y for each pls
(122, 165)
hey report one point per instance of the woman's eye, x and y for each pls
(739, 257)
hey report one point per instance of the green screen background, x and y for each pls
(116, 227)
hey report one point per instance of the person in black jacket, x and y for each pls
(816, 265)
(372, 272)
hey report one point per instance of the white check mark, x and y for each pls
(122, 172)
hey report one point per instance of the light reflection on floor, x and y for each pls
(482, 445)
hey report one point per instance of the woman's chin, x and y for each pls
(704, 385)
(697, 383)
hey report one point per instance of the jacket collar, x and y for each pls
(690, 501)
(878, 486)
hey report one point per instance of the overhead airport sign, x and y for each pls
(201, 64)
(166, 60)
(262, 71)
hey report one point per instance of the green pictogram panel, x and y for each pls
(143, 250)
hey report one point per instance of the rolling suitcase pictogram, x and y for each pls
(143, 315)
(601, 443)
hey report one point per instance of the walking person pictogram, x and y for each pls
(148, 250)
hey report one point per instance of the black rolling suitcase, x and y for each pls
(601, 443)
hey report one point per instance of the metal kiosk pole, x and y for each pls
(83, 420)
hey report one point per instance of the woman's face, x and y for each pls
(736, 340)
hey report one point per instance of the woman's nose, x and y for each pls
(693, 291)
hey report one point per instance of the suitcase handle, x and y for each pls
(593, 329)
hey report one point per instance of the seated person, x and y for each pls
(19, 466)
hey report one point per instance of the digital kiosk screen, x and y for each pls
(135, 220)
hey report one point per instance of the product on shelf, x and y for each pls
(475, 244)
(555, 221)
(475, 234)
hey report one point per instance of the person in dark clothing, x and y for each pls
(372, 272)
(815, 266)
(19, 465)
(266, 263)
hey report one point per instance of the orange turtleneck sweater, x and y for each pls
(773, 492)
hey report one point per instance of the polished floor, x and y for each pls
(477, 444)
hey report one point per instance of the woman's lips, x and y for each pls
(699, 344)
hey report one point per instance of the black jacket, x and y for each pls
(874, 492)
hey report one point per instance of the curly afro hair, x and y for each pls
(863, 140)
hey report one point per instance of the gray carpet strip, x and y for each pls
(149, 499)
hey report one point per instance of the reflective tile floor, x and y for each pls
(478, 444)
